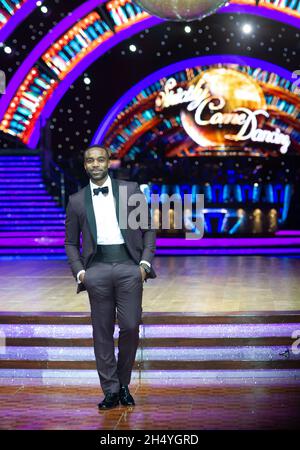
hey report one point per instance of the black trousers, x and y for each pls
(115, 288)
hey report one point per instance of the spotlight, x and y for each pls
(132, 48)
(247, 28)
(44, 9)
(187, 29)
(87, 80)
(38, 3)
(7, 50)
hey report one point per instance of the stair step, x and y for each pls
(25, 204)
(204, 331)
(22, 180)
(20, 158)
(25, 177)
(19, 163)
(37, 251)
(154, 342)
(31, 234)
(37, 209)
(24, 221)
(29, 228)
(177, 354)
(53, 216)
(187, 365)
(11, 187)
(75, 377)
(20, 170)
(23, 243)
(24, 197)
(276, 318)
(187, 342)
(32, 226)
(25, 192)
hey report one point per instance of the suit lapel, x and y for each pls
(115, 188)
(90, 212)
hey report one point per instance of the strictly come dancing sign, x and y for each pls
(224, 108)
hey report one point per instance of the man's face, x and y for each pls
(96, 164)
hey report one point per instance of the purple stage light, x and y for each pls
(227, 242)
(228, 251)
(166, 244)
(288, 233)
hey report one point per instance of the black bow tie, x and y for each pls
(104, 190)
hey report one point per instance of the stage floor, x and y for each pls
(186, 384)
(202, 284)
(255, 404)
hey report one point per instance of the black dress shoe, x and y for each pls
(125, 397)
(110, 401)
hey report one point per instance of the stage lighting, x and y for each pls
(273, 220)
(87, 80)
(257, 221)
(247, 28)
(132, 48)
(187, 29)
(7, 50)
(44, 9)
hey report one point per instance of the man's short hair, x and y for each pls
(108, 151)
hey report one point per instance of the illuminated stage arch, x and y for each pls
(15, 17)
(127, 102)
(56, 88)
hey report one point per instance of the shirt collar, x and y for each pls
(107, 183)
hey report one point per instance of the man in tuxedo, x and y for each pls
(113, 265)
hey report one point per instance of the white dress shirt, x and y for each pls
(108, 230)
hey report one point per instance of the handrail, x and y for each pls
(59, 182)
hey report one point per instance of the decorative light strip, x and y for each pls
(124, 13)
(25, 108)
(12, 13)
(80, 40)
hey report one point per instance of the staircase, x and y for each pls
(59, 345)
(31, 221)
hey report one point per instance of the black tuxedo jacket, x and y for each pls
(80, 222)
